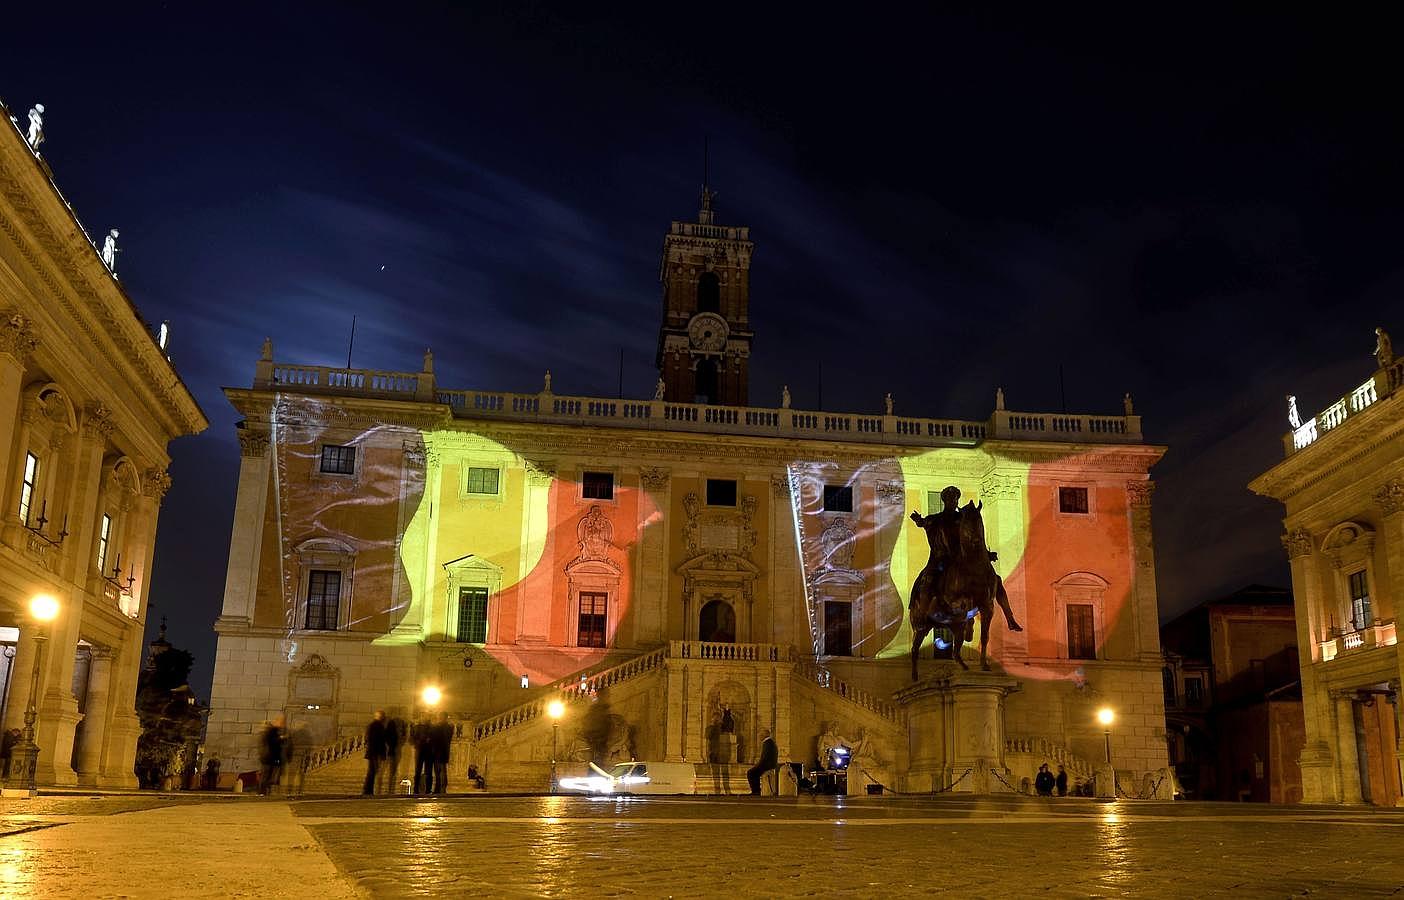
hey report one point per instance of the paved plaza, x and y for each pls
(187, 846)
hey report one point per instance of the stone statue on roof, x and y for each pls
(36, 127)
(659, 389)
(1293, 417)
(1384, 350)
(110, 251)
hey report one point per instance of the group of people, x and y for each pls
(1045, 783)
(385, 738)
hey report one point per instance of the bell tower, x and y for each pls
(704, 344)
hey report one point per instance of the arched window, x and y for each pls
(717, 622)
(709, 293)
(707, 389)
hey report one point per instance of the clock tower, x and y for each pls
(704, 345)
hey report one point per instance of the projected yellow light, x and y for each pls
(431, 695)
(43, 607)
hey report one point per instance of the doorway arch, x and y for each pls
(716, 622)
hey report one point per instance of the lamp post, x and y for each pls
(555, 709)
(1106, 717)
(43, 608)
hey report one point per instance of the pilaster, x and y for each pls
(1146, 605)
(651, 585)
(1003, 496)
(246, 539)
(17, 341)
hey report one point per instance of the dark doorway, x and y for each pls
(706, 381)
(838, 628)
(709, 293)
(717, 622)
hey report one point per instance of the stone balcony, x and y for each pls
(1379, 634)
(1382, 384)
(546, 407)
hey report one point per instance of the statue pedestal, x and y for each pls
(955, 725)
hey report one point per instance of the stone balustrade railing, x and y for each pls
(659, 415)
(1051, 752)
(1384, 382)
(339, 749)
(569, 690)
(1382, 633)
(824, 678)
(726, 651)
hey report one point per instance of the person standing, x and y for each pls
(375, 750)
(1062, 782)
(1043, 784)
(390, 770)
(270, 755)
(423, 756)
(769, 761)
(441, 743)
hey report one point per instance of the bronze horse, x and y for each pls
(950, 596)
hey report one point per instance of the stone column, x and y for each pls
(1003, 495)
(1145, 605)
(534, 612)
(246, 540)
(1317, 758)
(651, 574)
(58, 709)
(1347, 754)
(91, 749)
(17, 341)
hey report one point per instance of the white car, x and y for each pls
(636, 778)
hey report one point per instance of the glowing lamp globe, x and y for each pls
(431, 695)
(555, 709)
(44, 607)
(1106, 716)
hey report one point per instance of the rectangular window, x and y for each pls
(338, 460)
(597, 485)
(104, 535)
(933, 502)
(1082, 642)
(472, 615)
(1194, 691)
(838, 628)
(593, 615)
(481, 480)
(721, 492)
(1360, 615)
(838, 498)
(27, 487)
(1167, 679)
(323, 599)
(1072, 500)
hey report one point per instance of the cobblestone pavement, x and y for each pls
(772, 847)
(162, 846)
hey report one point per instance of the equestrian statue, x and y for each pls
(959, 580)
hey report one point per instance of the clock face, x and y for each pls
(707, 332)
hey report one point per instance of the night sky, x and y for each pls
(1199, 209)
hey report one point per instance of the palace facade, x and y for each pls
(88, 404)
(660, 563)
(1342, 483)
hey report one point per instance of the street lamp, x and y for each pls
(43, 608)
(431, 695)
(555, 709)
(1106, 717)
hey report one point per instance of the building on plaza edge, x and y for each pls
(88, 404)
(1342, 483)
(685, 571)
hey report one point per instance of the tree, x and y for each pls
(171, 720)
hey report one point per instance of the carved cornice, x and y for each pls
(1297, 543)
(155, 483)
(654, 478)
(1390, 497)
(17, 337)
(1138, 493)
(102, 322)
(97, 421)
(252, 443)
